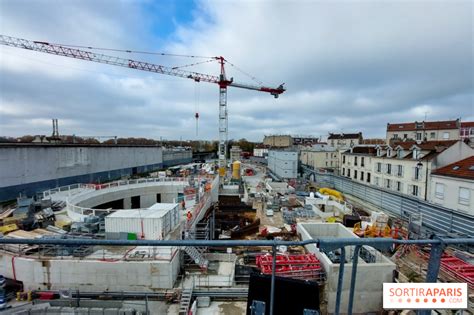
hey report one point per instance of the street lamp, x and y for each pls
(419, 165)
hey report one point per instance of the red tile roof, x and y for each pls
(426, 145)
(462, 169)
(426, 125)
(467, 124)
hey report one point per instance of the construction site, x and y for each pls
(226, 236)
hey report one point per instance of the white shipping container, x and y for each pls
(152, 223)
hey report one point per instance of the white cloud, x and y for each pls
(348, 66)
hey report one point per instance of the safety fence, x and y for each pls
(436, 218)
(68, 188)
(434, 261)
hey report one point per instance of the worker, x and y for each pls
(189, 215)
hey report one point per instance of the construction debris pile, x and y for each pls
(291, 215)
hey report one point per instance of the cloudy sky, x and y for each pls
(347, 65)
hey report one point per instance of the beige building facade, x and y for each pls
(404, 168)
(320, 159)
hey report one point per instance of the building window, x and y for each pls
(439, 191)
(348, 172)
(445, 135)
(355, 174)
(355, 160)
(389, 152)
(376, 181)
(415, 154)
(432, 135)
(399, 186)
(368, 177)
(400, 170)
(343, 171)
(389, 169)
(418, 136)
(326, 163)
(379, 167)
(417, 173)
(414, 190)
(464, 196)
(405, 136)
(400, 153)
(331, 163)
(361, 175)
(326, 155)
(362, 161)
(395, 136)
(343, 159)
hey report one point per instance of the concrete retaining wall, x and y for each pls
(32, 168)
(92, 275)
(370, 276)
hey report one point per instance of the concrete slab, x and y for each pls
(223, 308)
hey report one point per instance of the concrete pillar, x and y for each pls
(127, 203)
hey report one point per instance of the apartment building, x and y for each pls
(452, 186)
(344, 141)
(424, 131)
(321, 156)
(404, 167)
(467, 131)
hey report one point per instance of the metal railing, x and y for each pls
(437, 247)
(49, 192)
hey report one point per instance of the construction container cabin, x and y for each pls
(153, 223)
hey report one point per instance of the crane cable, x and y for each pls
(134, 51)
(211, 58)
(193, 64)
(245, 73)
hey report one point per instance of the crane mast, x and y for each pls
(221, 80)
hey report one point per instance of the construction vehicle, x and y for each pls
(222, 81)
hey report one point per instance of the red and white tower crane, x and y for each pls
(221, 80)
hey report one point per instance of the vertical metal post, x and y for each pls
(434, 262)
(146, 304)
(433, 268)
(355, 259)
(272, 287)
(223, 125)
(213, 226)
(340, 280)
